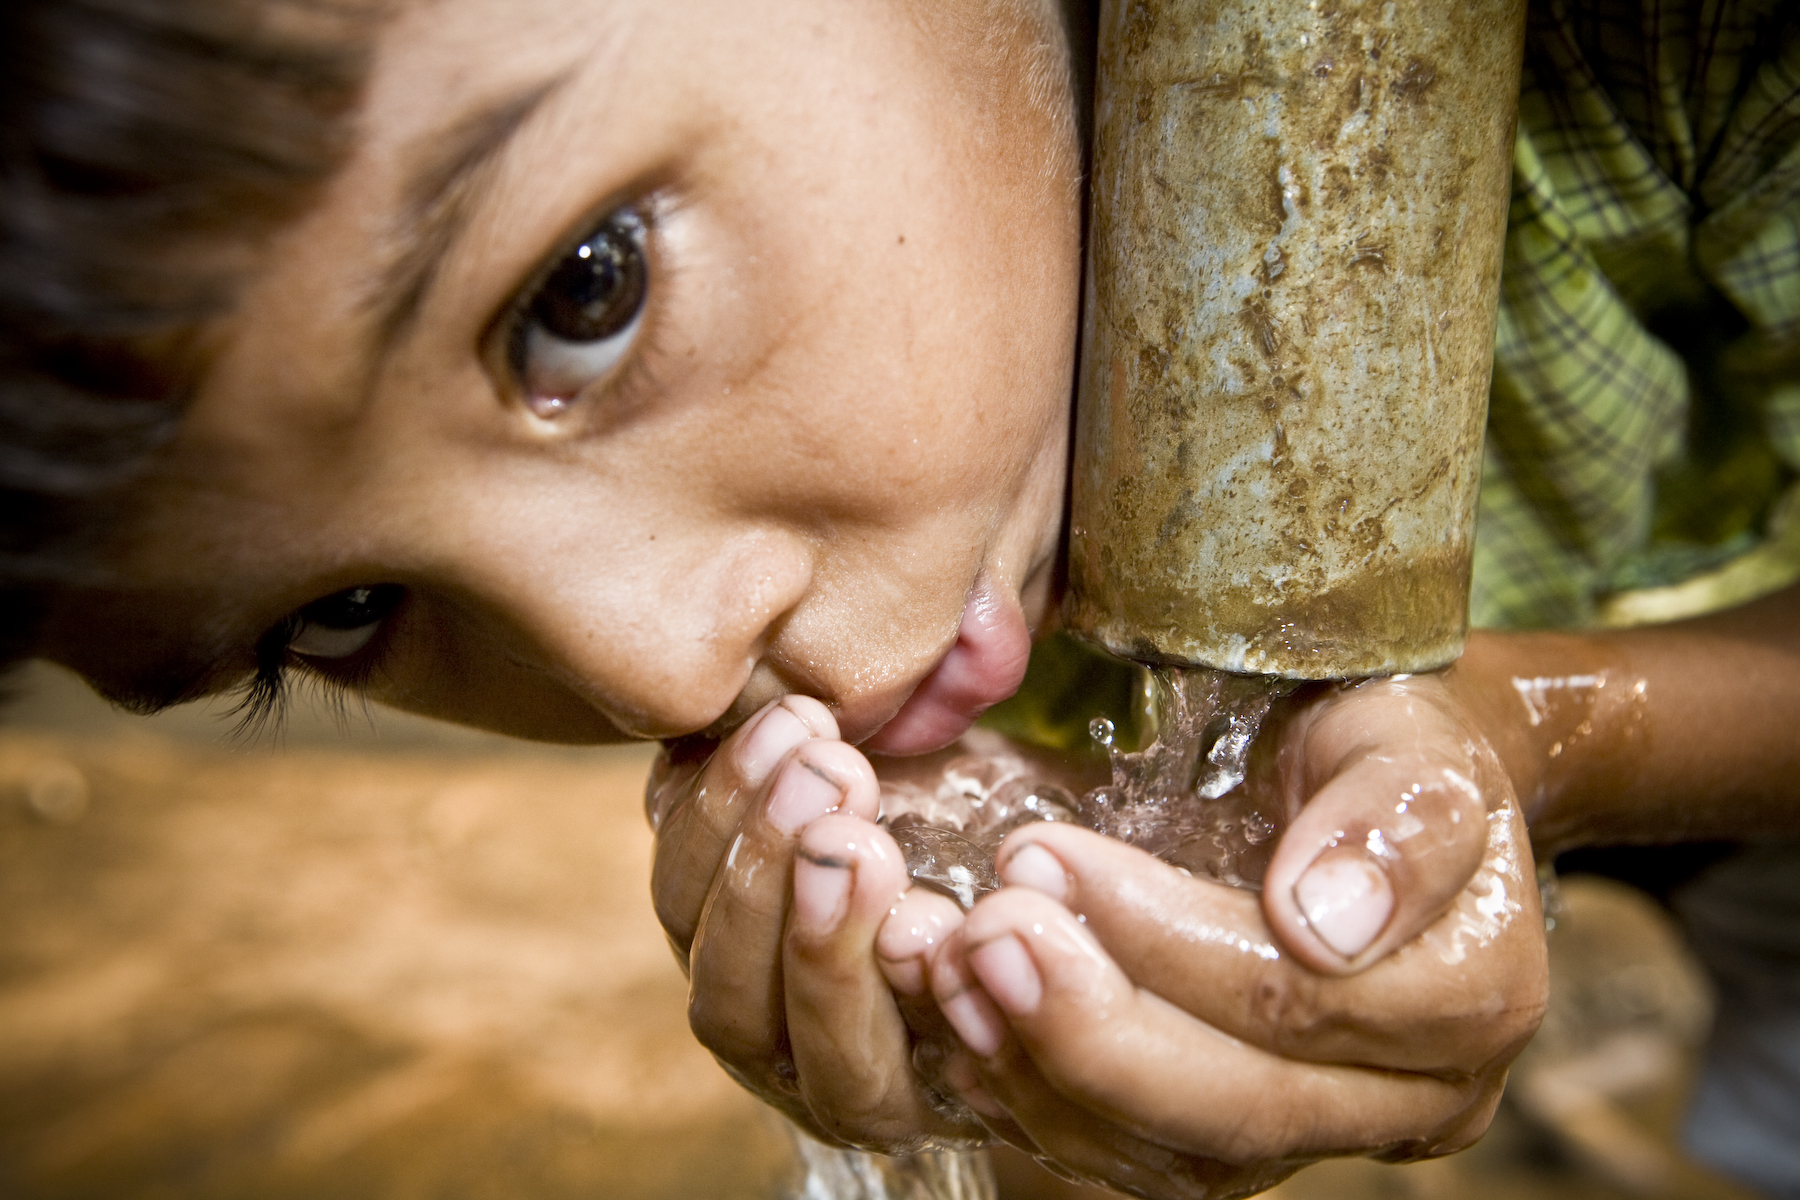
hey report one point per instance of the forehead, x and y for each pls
(494, 128)
(488, 118)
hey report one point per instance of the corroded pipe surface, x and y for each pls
(1294, 262)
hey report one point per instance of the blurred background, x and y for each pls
(388, 959)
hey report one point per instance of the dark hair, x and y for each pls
(148, 150)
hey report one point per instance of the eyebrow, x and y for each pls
(440, 190)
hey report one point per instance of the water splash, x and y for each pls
(949, 832)
(1179, 797)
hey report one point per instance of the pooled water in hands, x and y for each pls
(1178, 798)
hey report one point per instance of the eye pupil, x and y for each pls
(353, 608)
(596, 291)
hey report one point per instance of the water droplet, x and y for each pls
(1101, 730)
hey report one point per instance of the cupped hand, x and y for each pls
(1175, 1038)
(771, 881)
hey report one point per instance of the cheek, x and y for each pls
(932, 380)
(623, 586)
(911, 279)
(446, 664)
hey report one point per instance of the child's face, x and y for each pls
(793, 413)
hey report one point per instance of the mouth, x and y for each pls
(983, 667)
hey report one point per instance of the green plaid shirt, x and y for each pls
(1645, 418)
(1645, 415)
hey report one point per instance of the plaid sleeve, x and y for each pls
(1645, 404)
(1644, 423)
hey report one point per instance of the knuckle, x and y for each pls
(1284, 1011)
(1508, 1036)
(819, 972)
(714, 809)
(1073, 1065)
(746, 1056)
(1082, 1060)
(878, 1121)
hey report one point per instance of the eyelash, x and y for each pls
(265, 700)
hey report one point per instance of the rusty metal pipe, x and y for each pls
(1293, 267)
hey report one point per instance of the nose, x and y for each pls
(668, 652)
(662, 642)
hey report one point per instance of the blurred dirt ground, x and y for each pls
(410, 963)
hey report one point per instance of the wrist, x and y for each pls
(1564, 713)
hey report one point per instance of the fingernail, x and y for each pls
(821, 889)
(976, 1021)
(803, 793)
(1034, 867)
(1346, 898)
(777, 731)
(1008, 974)
(914, 929)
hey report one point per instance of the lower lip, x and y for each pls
(984, 667)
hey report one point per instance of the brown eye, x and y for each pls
(584, 315)
(342, 623)
(597, 290)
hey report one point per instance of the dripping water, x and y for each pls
(840, 1173)
(1179, 797)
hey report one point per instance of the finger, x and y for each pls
(1465, 993)
(1022, 1107)
(1392, 830)
(1373, 859)
(695, 808)
(910, 937)
(954, 1067)
(734, 1002)
(850, 1045)
(1131, 1058)
(1018, 1105)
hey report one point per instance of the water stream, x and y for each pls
(1178, 798)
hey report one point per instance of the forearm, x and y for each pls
(1669, 733)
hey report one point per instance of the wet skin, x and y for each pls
(1091, 995)
(810, 497)
(1140, 1027)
